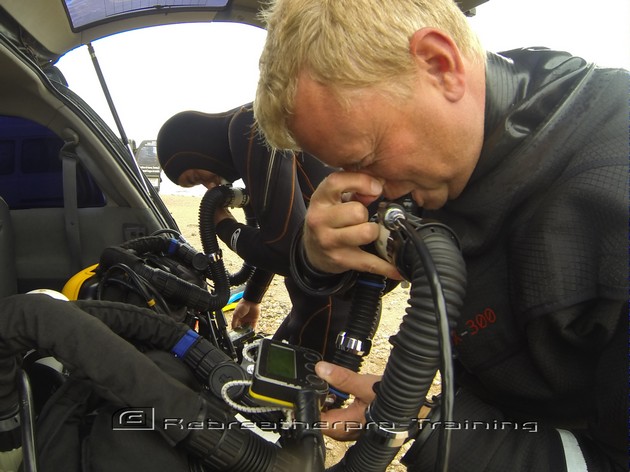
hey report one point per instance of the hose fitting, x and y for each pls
(210, 365)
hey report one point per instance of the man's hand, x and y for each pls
(245, 314)
(346, 424)
(337, 225)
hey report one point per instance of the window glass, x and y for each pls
(41, 155)
(31, 172)
(7, 156)
(83, 13)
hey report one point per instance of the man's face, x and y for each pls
(410, 144)
(193, 177)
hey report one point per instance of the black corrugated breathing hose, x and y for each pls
(163, 244)
(217, 197)
(416, 353)
(355, 342)
(94, 347)
(168, 284)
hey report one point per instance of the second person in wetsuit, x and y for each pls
(197, 148)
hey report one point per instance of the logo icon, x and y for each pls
(234, 239)
(134, 419)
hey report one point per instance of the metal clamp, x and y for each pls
(215, 256)
(359, 347)
(389, 434)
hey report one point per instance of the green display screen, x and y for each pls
(281, 361)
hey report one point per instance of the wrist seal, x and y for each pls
(311, 280)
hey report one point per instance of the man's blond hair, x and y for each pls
(344, 44)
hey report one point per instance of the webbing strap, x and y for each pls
(69, 160)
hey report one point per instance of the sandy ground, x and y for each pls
(276, 305)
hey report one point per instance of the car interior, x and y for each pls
(38, 116)
(71, 185)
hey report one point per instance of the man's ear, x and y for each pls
(437, 54)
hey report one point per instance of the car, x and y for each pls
(53, 237)
(71, 187)
(146, 156)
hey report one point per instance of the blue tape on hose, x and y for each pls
(343, 395)
(172, 248)
(370, 284)
(181, 348)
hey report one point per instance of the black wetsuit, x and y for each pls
(280, 186)
(542, 343)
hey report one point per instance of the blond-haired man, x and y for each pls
(524, 155)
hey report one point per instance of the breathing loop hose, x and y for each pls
(219, 197)
(355, 342)
(438, 278)
(98, 331)
(169, 284)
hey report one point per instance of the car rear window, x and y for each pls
(31, 171)
(84, 13)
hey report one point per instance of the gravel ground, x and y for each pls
(276, 305)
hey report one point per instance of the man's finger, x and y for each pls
(335, 185)
(347, 381)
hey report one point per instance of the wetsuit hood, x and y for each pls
(196, 140)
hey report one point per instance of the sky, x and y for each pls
(156, 72)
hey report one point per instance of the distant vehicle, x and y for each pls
(146, 156)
